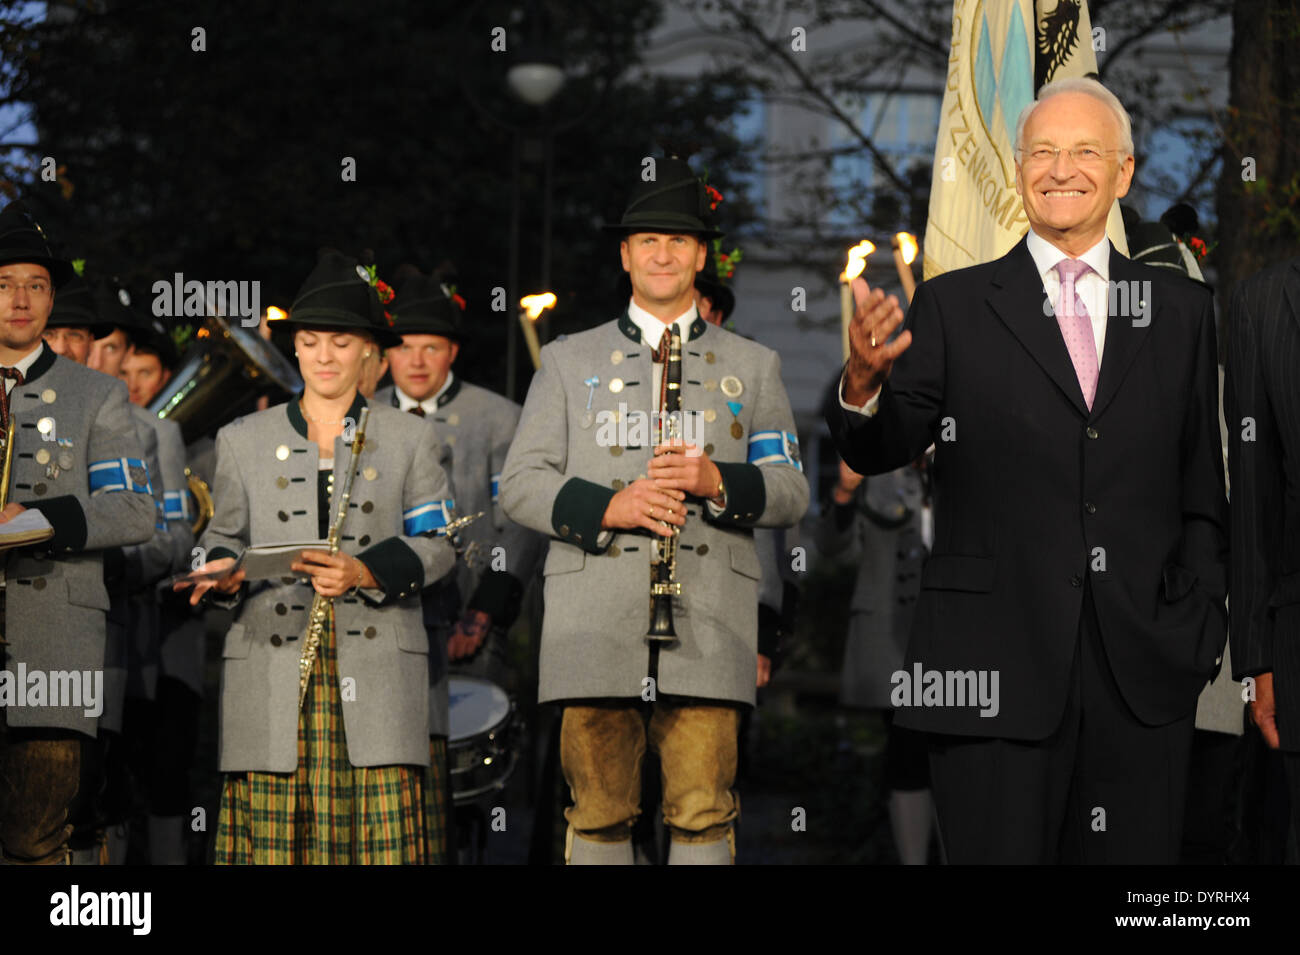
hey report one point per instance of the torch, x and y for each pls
(531, 308)
(857, 262)
(905, 249)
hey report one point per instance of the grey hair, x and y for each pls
(1090, 87)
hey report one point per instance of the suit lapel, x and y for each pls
(1018, 298)
(1125, 334)
(1291, 288)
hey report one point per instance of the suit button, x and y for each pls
(702, 550)
(365, 540)
(370, 633)
(276, 640)
(288, 580)
(38, 583)
(616, 484)
(613, 550)
(40, 490)
(1092, 433)
(564, 530)
(367, 507)
(283, 516)
(281, 609)
(1090, 507)
(1076, 581)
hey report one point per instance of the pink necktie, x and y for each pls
(1076, 327)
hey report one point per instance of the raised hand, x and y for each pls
(871, 354)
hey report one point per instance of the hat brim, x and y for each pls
(60, 271)
(84, 320)
(418, 327)
(320, 318)
(663, 227)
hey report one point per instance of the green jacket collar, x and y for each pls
(630, 330)
(300, 423)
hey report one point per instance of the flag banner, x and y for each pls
(998, 49)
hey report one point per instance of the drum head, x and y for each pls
(477, 706)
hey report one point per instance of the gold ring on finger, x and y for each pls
(873, 341)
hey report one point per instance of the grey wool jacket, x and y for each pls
(265, 491)
(571, 455)
(78, 460)
(499, 557)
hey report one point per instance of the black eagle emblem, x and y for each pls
(1058, 35)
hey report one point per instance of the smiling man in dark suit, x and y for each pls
(1072, 607)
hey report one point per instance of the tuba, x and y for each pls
(225, 371)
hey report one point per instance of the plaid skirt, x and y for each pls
(330, 812)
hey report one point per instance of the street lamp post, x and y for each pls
(534, 79)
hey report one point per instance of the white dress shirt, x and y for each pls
(429, 404)
(1093, 288)
(24, 365)
(652, 329)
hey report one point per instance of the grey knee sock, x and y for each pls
(910, 818)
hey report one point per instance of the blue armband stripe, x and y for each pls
(775, 447)
(176, 505)
(427, 517)
(119, 474)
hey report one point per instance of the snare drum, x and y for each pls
(481, 748)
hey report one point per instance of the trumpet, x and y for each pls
(4, 492)
(8, 463)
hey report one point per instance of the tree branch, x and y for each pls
(826, 103)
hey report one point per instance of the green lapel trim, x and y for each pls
(300, 423)
(41, 365)
(452, 390)
(629, 328)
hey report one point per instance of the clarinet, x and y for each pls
(321, 605)
(663, 569)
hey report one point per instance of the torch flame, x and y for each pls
(857, 260)
(534, 305)
(275, 314)
(906, 242)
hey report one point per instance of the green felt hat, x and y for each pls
(674, 202)
(424, 307)
(23, 240)
(75, 307)
(338, 294)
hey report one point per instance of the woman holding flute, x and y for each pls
(340, 775)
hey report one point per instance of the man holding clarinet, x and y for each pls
(589, 467)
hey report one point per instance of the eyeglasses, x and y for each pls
(1082, 155)
(37, 289)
